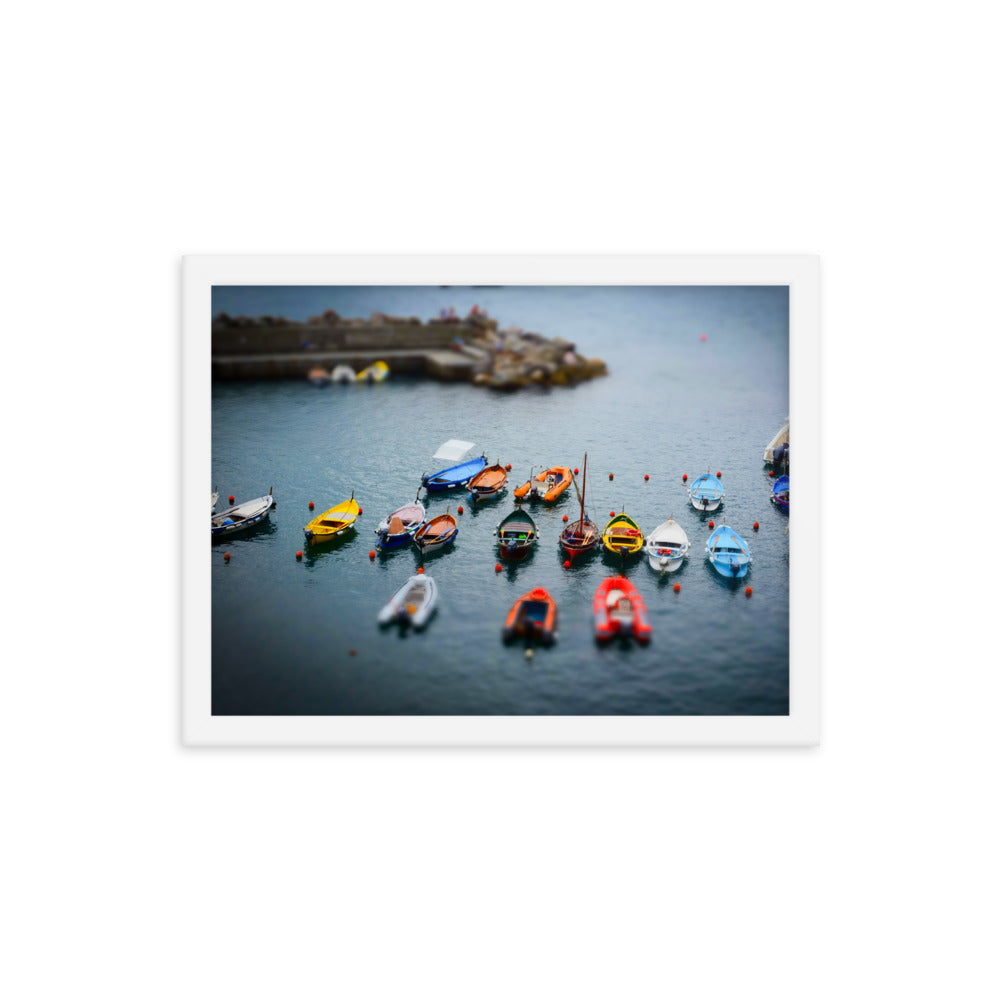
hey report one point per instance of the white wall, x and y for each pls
(861, 132)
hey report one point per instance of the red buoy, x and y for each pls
(711, 524)
(310, 505)
(566, 564)
(718, 475)
(499, 567)
(353, 652)
(565, 517)
(371, 555)
(360, 512)
(232, 499)
(461, 509)
(755, 526)
(226, 557)
(420, 569)
(685, 477)
(576, 472)
(298, 555)
(611, 475)
(612, 514)
(647, 475)
(677, 588)
(749, 591)
(508, 466)
(704, 336)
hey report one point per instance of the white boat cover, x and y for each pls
(453, 450)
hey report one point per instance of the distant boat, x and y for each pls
(548, 485)
(516, 534)
(398, 528)
(582, 535)
(243, 515)
(454, 476)
(779, 492)
(622, 535)
(533, 616)
(488, 483)
(215, 497)
(706, 492)
(779, 441)
(620, 610)
(728, 552)
(413, 603)
(436, 533)
(666, 546)
(333, 523)
(377, 372)
(319, 376)
(343, 373)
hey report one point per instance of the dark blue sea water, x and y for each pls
(300, 638)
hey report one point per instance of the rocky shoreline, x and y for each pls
(478, 350)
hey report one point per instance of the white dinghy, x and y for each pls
(412, 603)
(666, 546)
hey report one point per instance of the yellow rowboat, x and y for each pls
(622, 536)
(334, 522)
(377, 372)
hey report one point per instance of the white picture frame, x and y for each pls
(801, 727)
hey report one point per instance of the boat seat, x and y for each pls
(396, 526)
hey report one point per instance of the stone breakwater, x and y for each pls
(473, 348)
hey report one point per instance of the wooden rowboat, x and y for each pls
(333, 523)
(582, 535)
(436, 533)
(516, 534)
(533, 616)
(489, 483)
(397, 528)
(666, 546)
(728, 553)
(622, 536)
(243, 515)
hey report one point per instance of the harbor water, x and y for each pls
(698, 380)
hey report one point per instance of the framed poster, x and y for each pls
(627, 571)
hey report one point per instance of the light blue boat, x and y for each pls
(728, 553)
(706, 492)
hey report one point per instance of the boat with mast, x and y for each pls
(583, 535)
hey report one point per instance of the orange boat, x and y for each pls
(533, 616)
(488, 483)
(548, 485)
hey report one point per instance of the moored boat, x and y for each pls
(728, 553)
(533, 616)
(666, 546)
(215, 497)
(620, 610)
(343, 373)
(706, 492)
(377, 372)
(779, 443)
(582, 535)
(622, 536)
(779, 492)
(453, 477)
(436, 533)
(319, 376)
(333, 523)
(397, 529)
(412, 604)
(243, 515)
(516, 534)
(488, 483)
(548, 485)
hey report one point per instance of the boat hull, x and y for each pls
(332, 524)
(667, 547)
(728, 553)
(436, 533)
(622, 536)
(706, 493)
(549, 485)
(413, 604)
(453, 478)
(516, 535)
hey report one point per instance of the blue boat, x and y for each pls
(398, 528)
(779, 492)
(454, 477)
(706, 492)
(728, 553)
